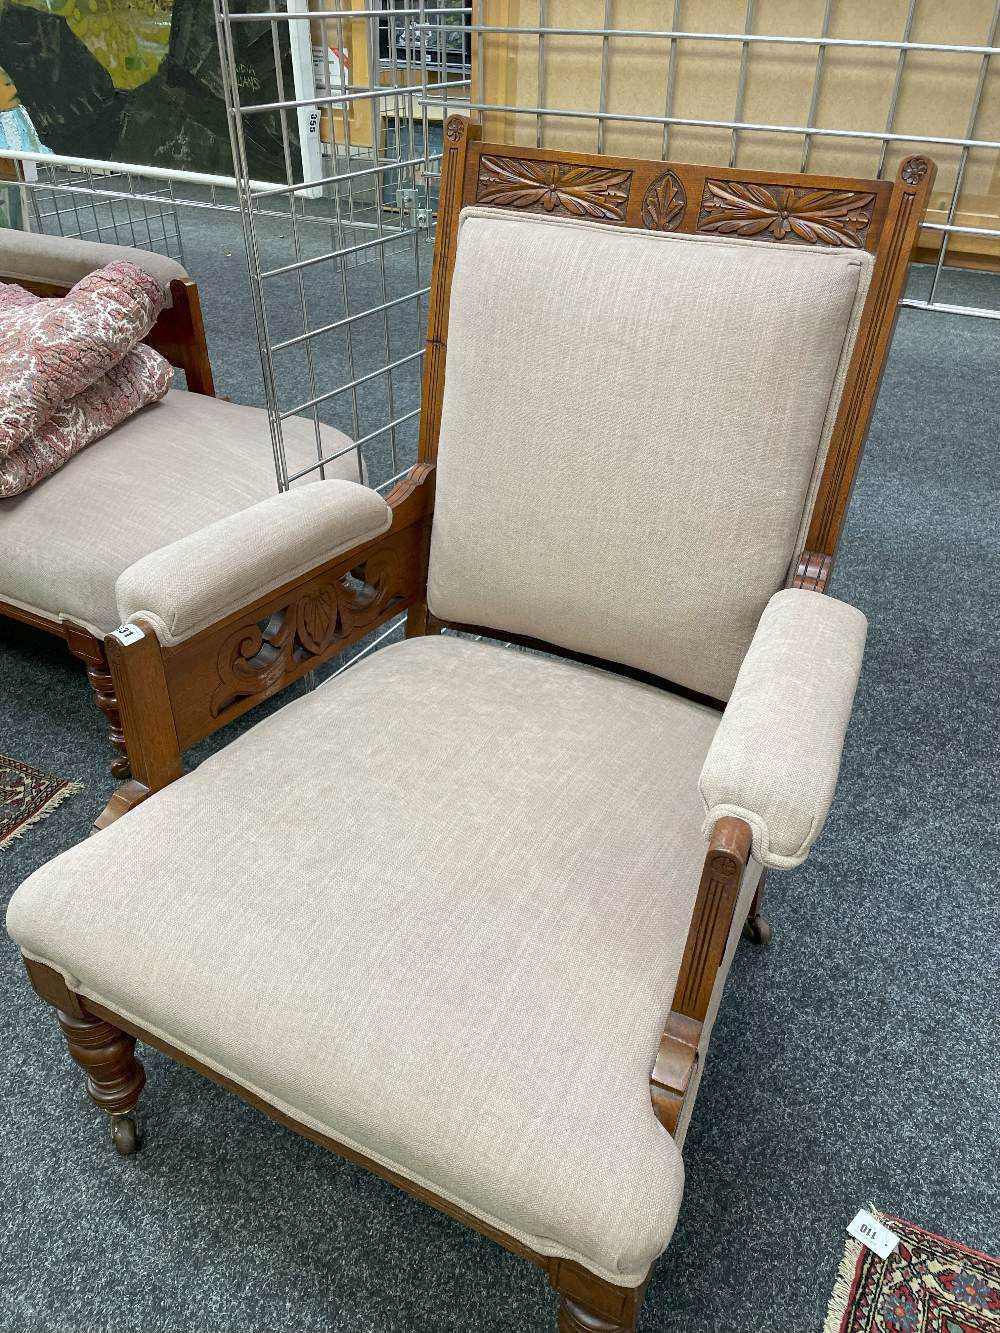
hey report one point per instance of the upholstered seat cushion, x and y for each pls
(436, 910)
(166, 472)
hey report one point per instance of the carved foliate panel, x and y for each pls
(255, 658)
(562, 188)
(794, 214)
(663, 203)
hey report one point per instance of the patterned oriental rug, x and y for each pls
(927, 1285)
(26, 796)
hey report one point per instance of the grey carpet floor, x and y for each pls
(856, 1060)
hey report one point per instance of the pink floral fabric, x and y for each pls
(53, 349)
(11, 295)
(141, 377)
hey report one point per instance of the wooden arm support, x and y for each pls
(171, 697)
(812, 571)
(674, 1070)
(708, 934)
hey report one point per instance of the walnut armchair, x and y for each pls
(172, 468)
(646, 391)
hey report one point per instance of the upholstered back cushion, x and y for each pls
(633, 425)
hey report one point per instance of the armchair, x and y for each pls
(494, 987)
(168, 471)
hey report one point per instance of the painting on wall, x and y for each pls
(16, 132)
(139, 81)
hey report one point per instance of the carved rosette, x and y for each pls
(554, 187)
(663, 204)
(256, 659)
(797, 215)
(454, 128)
(914, 169)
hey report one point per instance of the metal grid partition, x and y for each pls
(583, 70)
(111, 205)
(116, 203)
(341, 306)
(124, 203)
(111, 202)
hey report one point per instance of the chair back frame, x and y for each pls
(882, 217)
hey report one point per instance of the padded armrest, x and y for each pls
(775, 757)
(27, 256)
(202, 578)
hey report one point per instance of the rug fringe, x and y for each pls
(843, 1287)
(70, 789)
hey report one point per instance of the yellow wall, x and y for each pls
(356, 36)
(935, 95)
(354, 125)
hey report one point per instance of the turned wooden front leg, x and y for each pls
(115, 1078)
(90, 651)
(573, 1318)
(588, 1304)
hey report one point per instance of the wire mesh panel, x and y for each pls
(340, 250)
(340, 244)
(117, 207)
(833, 86)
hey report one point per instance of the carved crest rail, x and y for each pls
(785, 209)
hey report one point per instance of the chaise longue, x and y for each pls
(463, 914)
(175, 467)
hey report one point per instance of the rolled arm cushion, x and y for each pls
(204, 577)
(774, 759)
(27, 256)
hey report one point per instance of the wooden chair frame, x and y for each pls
(179, 336)
(172, 697)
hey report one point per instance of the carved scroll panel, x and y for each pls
(255, 659)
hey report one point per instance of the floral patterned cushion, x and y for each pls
(141, 377)
(11, 295)
(53, 349)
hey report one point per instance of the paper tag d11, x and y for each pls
(127, 634)
(870, 1231)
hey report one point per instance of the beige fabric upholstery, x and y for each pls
(435, 909)
(631, 425)
(211, 573)
(775, 758)
(175, 467)
(27, 256)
